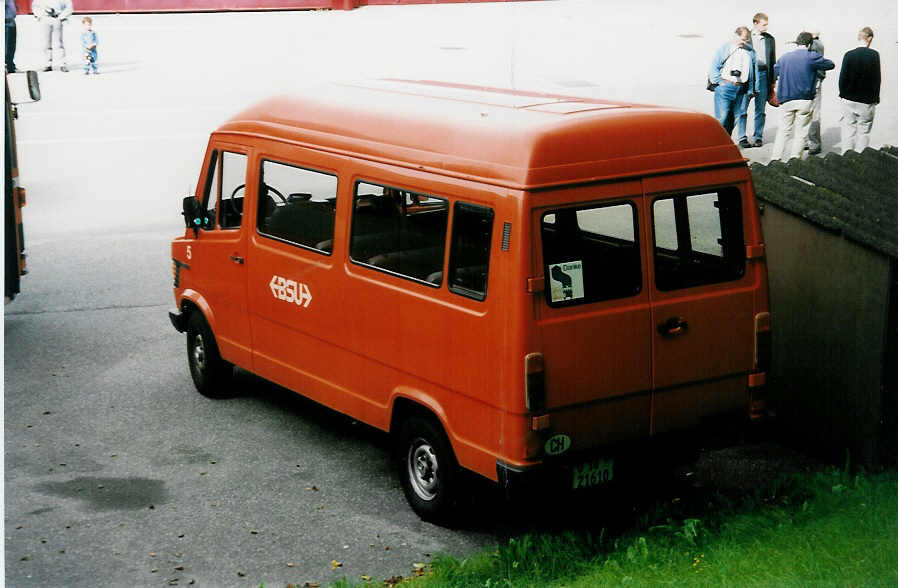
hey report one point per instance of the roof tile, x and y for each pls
(855, 194)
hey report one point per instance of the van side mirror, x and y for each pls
(34, 86)
(23, 87)
(193, 213)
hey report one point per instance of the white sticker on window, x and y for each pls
(566, 281)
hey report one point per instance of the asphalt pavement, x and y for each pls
(116, 472)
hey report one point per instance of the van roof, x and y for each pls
(511, 138)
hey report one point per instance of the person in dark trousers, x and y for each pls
(815, 144)
(797, 77)
(10, 36)
(765, 54)
(859, 82)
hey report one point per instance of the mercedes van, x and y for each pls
(511, 283)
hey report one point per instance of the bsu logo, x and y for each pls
(290, 291)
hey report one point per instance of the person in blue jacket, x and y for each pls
(89, 45)
(796, 74)
(734, 70)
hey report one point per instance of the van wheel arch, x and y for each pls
(211, 374)
(425, 461)
(405, 408)
(188, 307)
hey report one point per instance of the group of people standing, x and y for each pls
(52, 16)
(747, 69)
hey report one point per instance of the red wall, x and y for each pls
(95, 6)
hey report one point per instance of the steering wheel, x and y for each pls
(228, 207)
(269, 189)
(237, 189)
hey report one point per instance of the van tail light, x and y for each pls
(535, 382)
(757, 396)
(763, 341)
(757, 381)
(535, 397)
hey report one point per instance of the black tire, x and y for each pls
(428, 469)
(211, 374)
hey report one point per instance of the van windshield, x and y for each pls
(591, 254)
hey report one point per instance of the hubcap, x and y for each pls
(199, 353)
(423, 469)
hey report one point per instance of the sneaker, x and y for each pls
(814, 151)
(86, 72)
(63, 68)
(48, 68)
(758, 143)
(744, 144)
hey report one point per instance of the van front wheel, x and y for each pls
(427, 469)
(211, 374)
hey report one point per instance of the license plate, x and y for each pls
(594, 473)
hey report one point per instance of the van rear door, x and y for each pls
(594, 321)
(702, 301)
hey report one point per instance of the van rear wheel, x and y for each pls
(211, 374)
(427, 469)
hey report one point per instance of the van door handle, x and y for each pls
(237, 259)
(673, 326)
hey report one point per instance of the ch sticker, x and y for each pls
(290, 291)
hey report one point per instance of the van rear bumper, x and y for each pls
(178, 320)
(575, 474)
(617, 465)
(557, 476)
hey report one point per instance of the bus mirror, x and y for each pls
(192, 211)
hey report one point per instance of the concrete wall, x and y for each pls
(829, 303)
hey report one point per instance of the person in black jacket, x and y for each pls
(765, 52)
(859, 82)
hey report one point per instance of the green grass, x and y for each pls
(817, 529)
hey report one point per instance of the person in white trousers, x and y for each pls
(859, 83)
(52, 16)
(796, 74)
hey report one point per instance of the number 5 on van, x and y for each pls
(522, 286)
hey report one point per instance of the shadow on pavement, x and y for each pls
(726, 465)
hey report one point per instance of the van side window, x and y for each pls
(233, 189)
(591, 254)
(210, 192)
(399, 231)
(297, 205)
(698, 239)
(469, 253)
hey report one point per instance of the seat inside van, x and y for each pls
(302, 220)
(389, 234)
